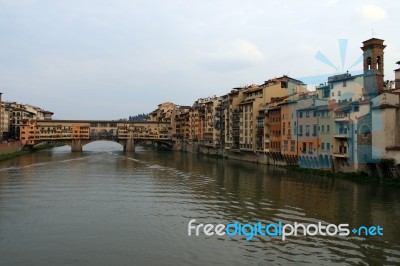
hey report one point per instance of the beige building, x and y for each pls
(231, 114)
(196, 122)
(165, 112)
(204, 121)
(4, 120)
(19, 112)
(245, 106)
(346, 87)
(38, 113)
(212, 122)
(385, 112)
(182, 125)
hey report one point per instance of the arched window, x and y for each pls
(369, 63)
(365, 131)
(378, 62)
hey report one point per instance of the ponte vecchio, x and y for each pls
(77, 133)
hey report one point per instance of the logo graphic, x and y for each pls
(321, 78)
(279, 229)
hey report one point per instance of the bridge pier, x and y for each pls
(76, 145)
(129, 145)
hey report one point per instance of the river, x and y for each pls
(107, 207)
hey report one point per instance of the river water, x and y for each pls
(107, 207)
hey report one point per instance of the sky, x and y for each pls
(97, 59)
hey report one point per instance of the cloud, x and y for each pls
(239, 55)
(373, 12)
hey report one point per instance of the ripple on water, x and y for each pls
(111, 208)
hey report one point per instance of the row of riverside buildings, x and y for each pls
(12, 115)
(350, 123)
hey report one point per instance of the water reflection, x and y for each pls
(103, 206)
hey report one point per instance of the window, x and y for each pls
(327, 128)
(308, 114)
(328, 146)
(285, 145)
(314, 130)
(301, 114)
(333, 93)
(322, 146)
(292, 145)
(310, 147)
(326, 93)
(356, 108)
(339, 93)
(378, 62)
(307, 130)
(322, 128)
(304, 147)
(301, 130)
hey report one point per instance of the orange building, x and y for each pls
(288, 122)
(275, 131)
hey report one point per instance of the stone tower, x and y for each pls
(397, 77)
(373, 67)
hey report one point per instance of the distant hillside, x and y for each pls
(139, 117)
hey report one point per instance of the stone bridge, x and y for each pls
(77, 133)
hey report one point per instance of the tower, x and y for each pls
(373, 66)
(397, 77)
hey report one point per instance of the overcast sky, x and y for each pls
(98, 59)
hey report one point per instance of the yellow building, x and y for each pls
(245, 106)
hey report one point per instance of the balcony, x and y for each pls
(340, 155)
(342, 134)
(342, 118)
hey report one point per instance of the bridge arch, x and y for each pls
(106, 145)
(160, 143)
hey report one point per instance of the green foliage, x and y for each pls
(139, 117)
(13, 155)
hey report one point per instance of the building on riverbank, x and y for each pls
(347, 124)
(350, 123)
(18, 112)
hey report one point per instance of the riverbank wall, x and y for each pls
(373, 170)
(248, 156)
(7, 148)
